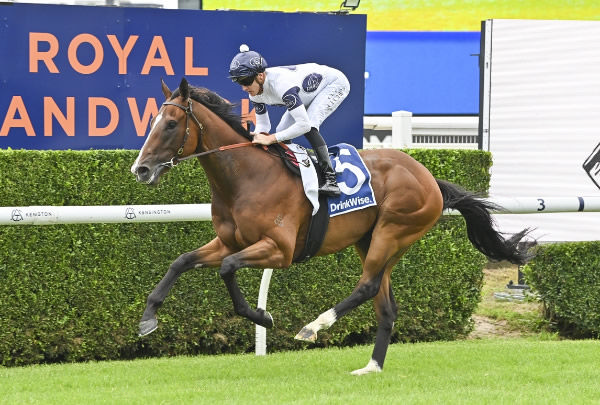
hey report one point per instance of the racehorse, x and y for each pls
(261, 216)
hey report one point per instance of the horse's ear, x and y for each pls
(165, 89)
(184, 90)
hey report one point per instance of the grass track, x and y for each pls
(491, 371)
(430, 15)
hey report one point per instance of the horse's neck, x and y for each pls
(234, 171)
(216, 132)
(238, 174)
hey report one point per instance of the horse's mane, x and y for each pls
(219, 106)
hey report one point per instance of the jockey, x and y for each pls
(309, 91)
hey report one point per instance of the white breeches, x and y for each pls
(321, 107)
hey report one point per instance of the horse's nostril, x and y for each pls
(142, 173)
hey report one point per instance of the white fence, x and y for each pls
(108, 214)
(402, 130)
(53, 215)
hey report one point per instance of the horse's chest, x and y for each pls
(232, 235)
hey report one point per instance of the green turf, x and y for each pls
(495, 371)
(431, 15)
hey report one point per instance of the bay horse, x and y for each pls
(261, 216)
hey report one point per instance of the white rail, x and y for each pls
(402, 130)
(96, 214)
(54, 215)
(544, 205)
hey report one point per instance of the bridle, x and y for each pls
(190, 113)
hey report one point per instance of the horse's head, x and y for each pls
(174, 134)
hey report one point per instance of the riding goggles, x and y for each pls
(244, 80)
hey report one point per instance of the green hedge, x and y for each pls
(567, 278)
(77, 292)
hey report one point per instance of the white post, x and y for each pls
(261, 331)
(401, 129)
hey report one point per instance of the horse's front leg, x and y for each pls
(264, 253)
(209, 255)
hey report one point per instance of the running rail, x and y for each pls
(94, 214)
(541, 205)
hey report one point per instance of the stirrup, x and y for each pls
(330, 189)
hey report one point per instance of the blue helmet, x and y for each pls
(247, 63)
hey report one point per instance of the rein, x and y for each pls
(219, 149)
(190, 113)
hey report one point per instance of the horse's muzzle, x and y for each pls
(146, 175)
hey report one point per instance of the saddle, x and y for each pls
(290, 160)
(318, 222)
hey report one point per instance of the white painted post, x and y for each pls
(261, 331)
(401, 129)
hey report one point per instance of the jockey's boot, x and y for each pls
(330, 186)
(318, 144)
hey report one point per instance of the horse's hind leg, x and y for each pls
(384, 251)
(374, 268)
(387, 312)
(327, 318)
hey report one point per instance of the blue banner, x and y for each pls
(80, 77)
(427, 73)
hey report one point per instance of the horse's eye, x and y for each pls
(171, 124)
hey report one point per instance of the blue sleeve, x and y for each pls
(291, 98)
(259, 108)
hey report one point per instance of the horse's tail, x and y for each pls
(480, 225)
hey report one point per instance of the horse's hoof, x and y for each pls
(307, 335)
(148, 326)
(372, 367)
(267, 318)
